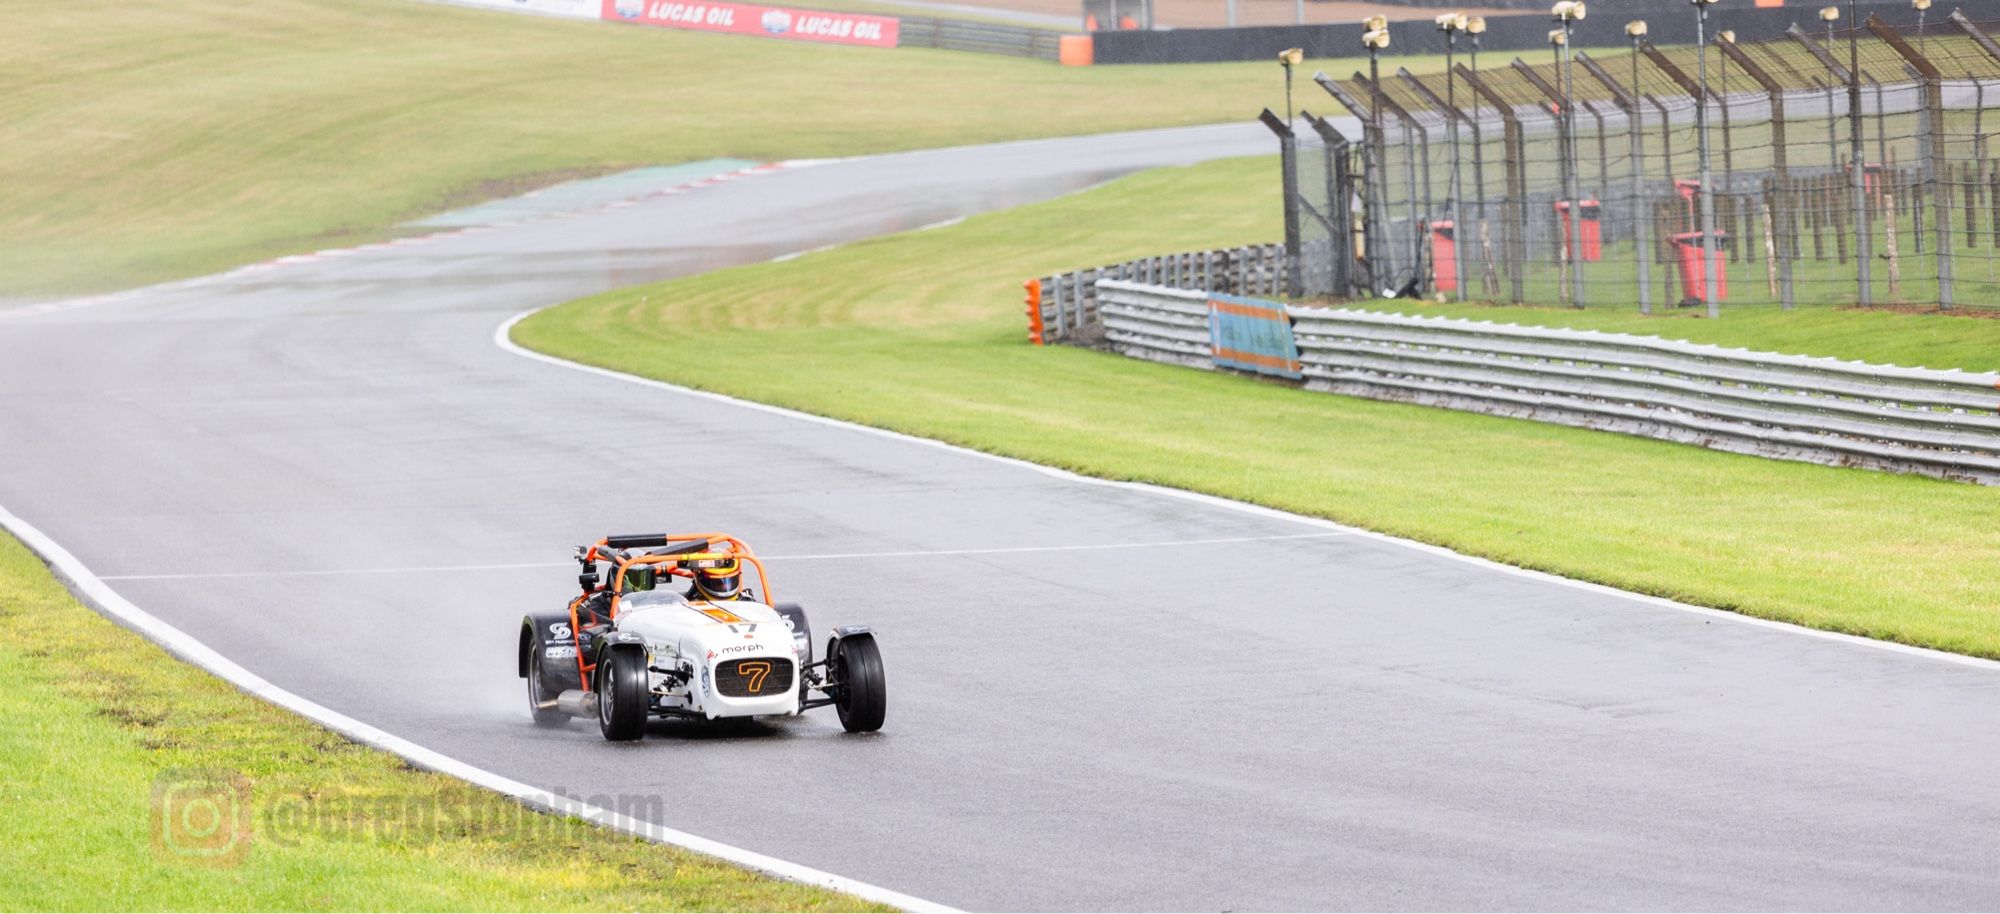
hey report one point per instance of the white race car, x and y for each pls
(632, 648)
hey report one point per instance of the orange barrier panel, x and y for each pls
(1034, 287)
(1075, 51)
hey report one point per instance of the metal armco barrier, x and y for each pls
(1064, 305)
(979, 37)
(1913, 420)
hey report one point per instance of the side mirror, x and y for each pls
(587, 580)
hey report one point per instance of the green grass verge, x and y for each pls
(94, 717)
(923, 333)
(1969, 340)
(150, 139)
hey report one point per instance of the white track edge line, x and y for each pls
(502, 338)
(107, 601)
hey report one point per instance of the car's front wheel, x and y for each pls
(540, 704)
(862, 696)
(622, 692)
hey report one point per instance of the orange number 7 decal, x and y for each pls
(756, 670)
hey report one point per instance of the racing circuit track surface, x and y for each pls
(299, 465)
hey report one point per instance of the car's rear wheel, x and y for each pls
(862, 698)
(541, 704)
(622, 692)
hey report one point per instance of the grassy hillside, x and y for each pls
(149, 139)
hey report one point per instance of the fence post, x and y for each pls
(1933, 108)
(1777, 213)
(1062, 315)
(1489, 277)
(1288, 163)
(1339, 191)
(1856, 160)
(1511, 241)
(1634, 124)
(1373, 218)
(1454, 190)
(1569, 249)
(1411, 129)
(1662, 232)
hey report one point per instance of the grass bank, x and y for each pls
(99, 730)
(149, 139)
(923, 333)
(1824, 322)
(1969, 340)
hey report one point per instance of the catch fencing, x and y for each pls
(1578, 180)
(1063, 307)
(1937, 423)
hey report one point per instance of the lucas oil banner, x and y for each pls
(769, 21)
(1249, 334)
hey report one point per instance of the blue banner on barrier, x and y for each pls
(1250, 334)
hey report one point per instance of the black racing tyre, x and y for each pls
(544, 716)
(623, 690)
(862, 697)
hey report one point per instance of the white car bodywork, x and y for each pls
(689, 642)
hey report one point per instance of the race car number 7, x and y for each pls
(756, 670)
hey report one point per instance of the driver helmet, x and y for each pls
(722, 581)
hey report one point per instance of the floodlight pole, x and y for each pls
(1478, 136)
(1451, 25)
(1288, 89)
(1565, 13)
(1375, 36)
(1636, 31)
(1864, 241)
(1575, 166)
(1708, 256)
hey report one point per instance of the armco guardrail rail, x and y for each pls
(979, 37)
(1917, 420)
(1064, 305)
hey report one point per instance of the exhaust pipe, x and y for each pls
(577, 703)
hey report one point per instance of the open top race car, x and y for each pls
(632, 646)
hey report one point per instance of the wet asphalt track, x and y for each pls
(1367, 726)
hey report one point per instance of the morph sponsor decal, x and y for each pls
(746, 19)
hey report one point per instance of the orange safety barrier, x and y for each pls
(1034, 287)
(1076, 51)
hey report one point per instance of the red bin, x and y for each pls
(1590, 224)
(1444, 257)
(1871, 178)
(1689, 190)
(1693, 266)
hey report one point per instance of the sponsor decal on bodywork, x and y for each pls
(716, 612)
(747, 19)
